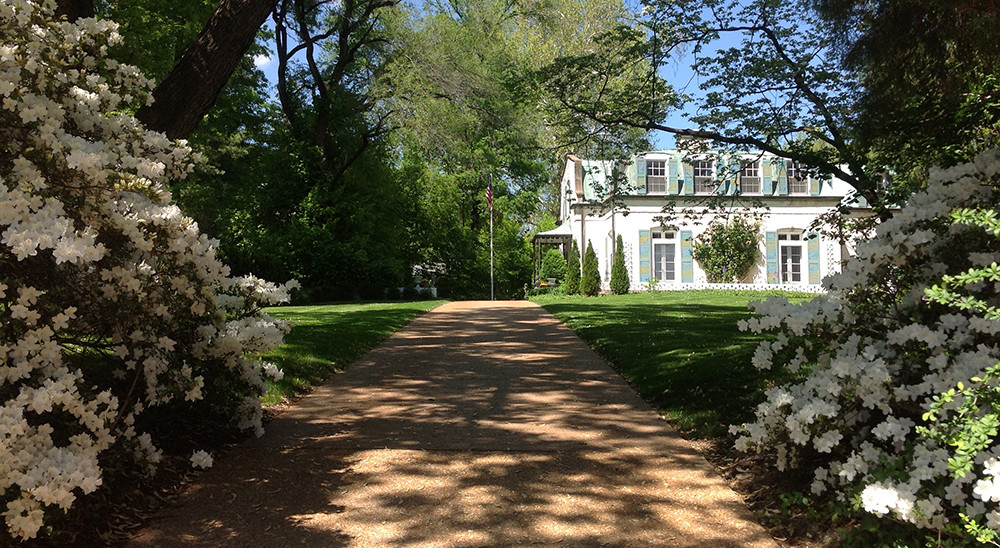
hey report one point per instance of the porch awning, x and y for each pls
(557, 235)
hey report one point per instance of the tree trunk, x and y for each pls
(75, 9)
(191, 88)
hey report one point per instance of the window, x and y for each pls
(749, 177)
(656, 176)
(790, 255)
(704, 175)
(664, 255)
(798, 178)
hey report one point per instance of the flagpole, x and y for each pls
(491, 240)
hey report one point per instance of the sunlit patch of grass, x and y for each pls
(681, 350)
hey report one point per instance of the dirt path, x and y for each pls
(479, 424)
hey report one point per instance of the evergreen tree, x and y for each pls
(571, 285)
(619, 276)
(590, 280)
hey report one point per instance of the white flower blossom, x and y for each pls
(878, 356)
(201, 459)
(114, 267)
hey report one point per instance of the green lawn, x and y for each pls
(326, 338)
(681, 350)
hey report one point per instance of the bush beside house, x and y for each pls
(553, 265)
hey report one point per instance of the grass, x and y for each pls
(326, 338)
(681, 350)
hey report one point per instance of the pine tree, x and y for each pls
(590, 280)
(619, 276)
(571, 285)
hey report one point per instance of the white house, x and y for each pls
(791, 257)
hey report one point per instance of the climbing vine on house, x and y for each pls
(727, 250)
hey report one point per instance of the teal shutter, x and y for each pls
(645, 256)
(814, 186)
(672, 166)
(813, 251)
(688, 179)
(766, 182)
(734, 176)
(687, 265)
(781, 172)
(640, 175)
(771, 256)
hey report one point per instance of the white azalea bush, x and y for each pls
(897, 404)
(112, 303)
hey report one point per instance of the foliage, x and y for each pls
(727, 250)
(553, 265)
(769, 78)
(897, 409)
(158, 31)
(681, 350)
(571, 285)
(590, 277)
(459, 87)
(652, 284)
(619, 276)
(115, 308)
(927, 71)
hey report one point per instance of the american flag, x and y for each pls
(489, 194)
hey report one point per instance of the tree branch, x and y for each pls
(191, 88)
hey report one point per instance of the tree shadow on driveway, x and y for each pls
(479, 424)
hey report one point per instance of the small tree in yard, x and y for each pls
(727, 250)
(553, 265)
(590, 281)
(571, 285)
(619, 276)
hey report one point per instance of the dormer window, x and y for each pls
(704, 177)
(798, 178)
(749, 177)
(656, 176)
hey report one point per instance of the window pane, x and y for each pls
(656, 168)
(656, 176)
(668, 271)
(798, 178)
(791, 263)
(749, 185)
(703, 175)
(663, 261)
(703, 168)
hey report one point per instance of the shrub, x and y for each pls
(727, 250)
(619, 276)
(553, 265)
(652, 284)
(571, 285)
(590, 279)
(114, 307)
(898, 408)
